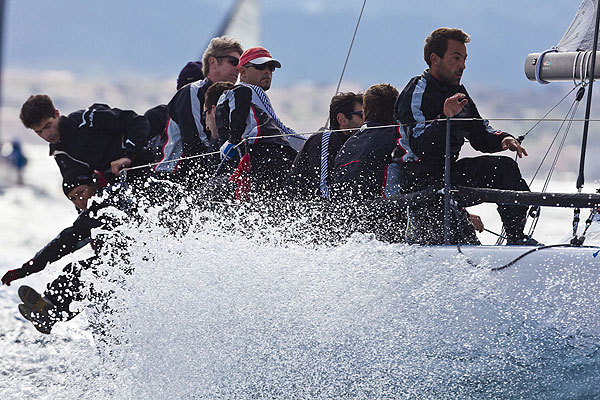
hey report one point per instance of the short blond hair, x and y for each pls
(218, 47)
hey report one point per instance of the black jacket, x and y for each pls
(98, 135)
(361, 164)
(421, 105)
(185, 134)
(239, 118)
(304, 177)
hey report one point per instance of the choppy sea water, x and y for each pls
(213, 314)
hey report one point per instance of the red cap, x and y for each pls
(257, 56)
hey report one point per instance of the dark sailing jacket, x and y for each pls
(238, 118)
(98, 135)
(304, 177)
(360, 169)
(185, 134)
(421, 105)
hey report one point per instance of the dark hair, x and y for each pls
(214, 92)
(378, 103)
(437, 41)
(342, 103)
(37, 108)
(217, 47)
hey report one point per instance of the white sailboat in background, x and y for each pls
(243, 23)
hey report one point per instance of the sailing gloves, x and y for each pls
(229, 150)
(12, 275)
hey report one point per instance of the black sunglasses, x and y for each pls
(231, 59)
(350, 114)
(262, 67)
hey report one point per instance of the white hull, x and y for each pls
(557, 286)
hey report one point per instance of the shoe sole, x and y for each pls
(35, 309)
(32, 299)
(42, 327)
(25, 311)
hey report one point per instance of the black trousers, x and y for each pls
(68, 287)
(494, 172)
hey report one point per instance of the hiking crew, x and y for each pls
(363, 157)
(97, 138)
(359, 175)
(79, 187)
(185, 133)
(266, 152)
(423, 106)
(361, 164)
(310, 174)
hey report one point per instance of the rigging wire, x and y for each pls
(572, 112)
(348, 55)
(308, 133)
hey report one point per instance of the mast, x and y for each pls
(1, 51)
(588, 107)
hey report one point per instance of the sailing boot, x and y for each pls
(514, 225)
(37, 309)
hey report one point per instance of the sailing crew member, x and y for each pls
(157, 116)
(423, 106)
(186, 128)
(359, 175)
(97, 138)
(79, 186)
(309, 176)
(361, 164)
(245, 113)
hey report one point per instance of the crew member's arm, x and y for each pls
(483, 137)
(238, 112)
(132, 128)
(68, 241)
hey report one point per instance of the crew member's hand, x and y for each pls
(228, 150)
(476, 222)
(12, 275)
(119, 164)
(454, 104)
(513, 144)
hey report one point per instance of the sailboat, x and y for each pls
(569, 272)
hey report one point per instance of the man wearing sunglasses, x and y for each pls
(251, 126)
(309, 175)
(186, 134)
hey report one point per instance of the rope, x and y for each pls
(308, 133)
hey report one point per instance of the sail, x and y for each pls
(243, 23)
(580, 35)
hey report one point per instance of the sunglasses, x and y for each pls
(231, 59)
(262, 67)
(350, 114)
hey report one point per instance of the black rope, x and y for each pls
(513, 262)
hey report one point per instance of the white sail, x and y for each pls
(580, 34)
(243, 23)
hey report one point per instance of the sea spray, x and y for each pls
(216, 312)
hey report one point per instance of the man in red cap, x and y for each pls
(251, 127)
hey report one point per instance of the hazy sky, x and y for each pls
(120, 38)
